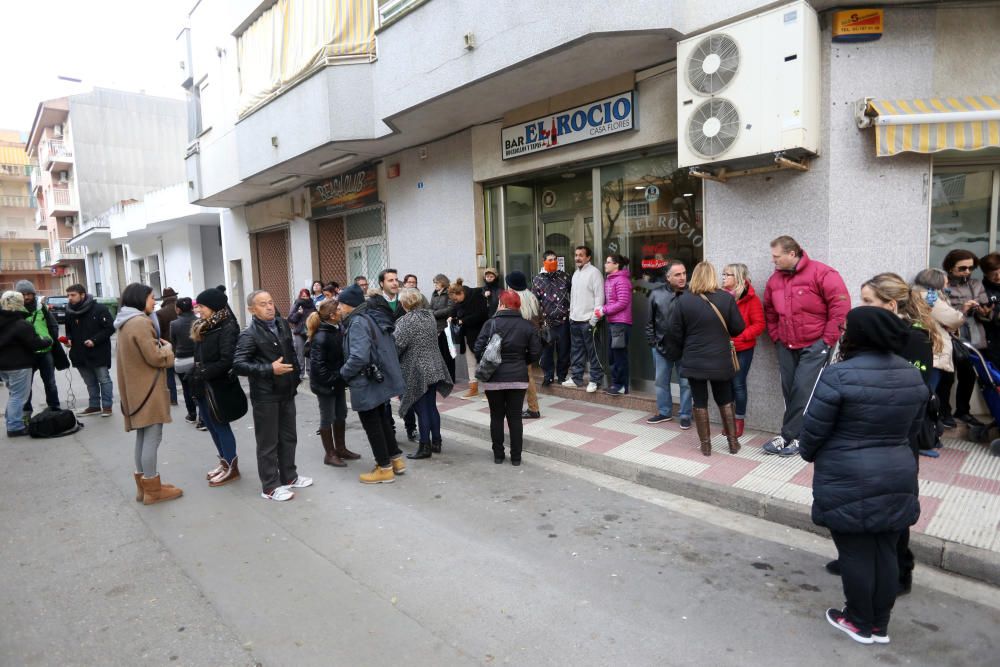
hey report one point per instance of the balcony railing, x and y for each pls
(60, 201)
(53, 150)
(45, 257)
(20, 265)
(65, 251)
(36, 181)
(18, 201)
(20, 170)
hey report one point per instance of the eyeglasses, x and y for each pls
(963, 269)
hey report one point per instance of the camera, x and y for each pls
(373, 373)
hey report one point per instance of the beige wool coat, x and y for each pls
(142, 365)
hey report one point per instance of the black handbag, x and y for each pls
(226, 400)
(959, 352)
(618, 341)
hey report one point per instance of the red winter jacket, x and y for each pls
(753, 316)
(806, 304)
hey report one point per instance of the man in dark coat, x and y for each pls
(662, 300)
(164, 316)
(266, 355)
(44, 323)
(857, 429)
(89, 327)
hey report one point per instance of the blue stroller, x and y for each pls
(989, 384)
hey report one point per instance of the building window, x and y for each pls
(964, 207)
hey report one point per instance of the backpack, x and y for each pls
(53, 424)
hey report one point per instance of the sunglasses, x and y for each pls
(963, 269)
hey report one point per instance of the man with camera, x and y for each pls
(371, 370)
(261, 352)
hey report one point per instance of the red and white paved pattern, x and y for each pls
(960, 491)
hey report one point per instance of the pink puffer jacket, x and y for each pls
(806, 304)
(618, 297)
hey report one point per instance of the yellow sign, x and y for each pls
(857, 25)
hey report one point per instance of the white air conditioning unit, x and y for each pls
(57, 130)
(750, 90)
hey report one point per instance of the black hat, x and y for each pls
(517, 281)
(873, 328)
(213, 298)
(351, 296)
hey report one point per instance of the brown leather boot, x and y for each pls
(217, 469)
(728, 412)
(704, 433)
(154, 492)
(230, 474)
(338, 442)
(138, 486)
(473, 391)
(331, 458)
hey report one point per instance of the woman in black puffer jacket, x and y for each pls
(857, 429)
(326, 356)
(506, 388)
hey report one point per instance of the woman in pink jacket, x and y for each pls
(618, 309)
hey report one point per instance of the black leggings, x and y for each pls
(963, 394)
(722, 392)
(506, 404)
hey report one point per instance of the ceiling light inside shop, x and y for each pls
(689, 194)
(639, 187)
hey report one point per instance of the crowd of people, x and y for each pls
(862, 414)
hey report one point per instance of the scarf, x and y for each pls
(202, 327)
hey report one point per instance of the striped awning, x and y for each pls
(935, 124)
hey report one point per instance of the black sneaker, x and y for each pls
(547, 381)
(970, 420)
(200, 425)
(411, 436)
(190, 419)
(531, 414)
(948, 422)
(659, 419)
(839, 620)
(833, 567)
(685, 423)
(17, 434)
(880, 636)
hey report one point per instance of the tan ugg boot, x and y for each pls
(230, 474)
(473, 391)
(154, 492)
(138, 486)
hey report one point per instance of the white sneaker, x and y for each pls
(279, 494)
(300, 482)
(592, 388)
(568, 382)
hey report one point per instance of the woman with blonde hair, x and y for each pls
(736, 281)
(930, 286)
(699, 336)
(326, 356)
(890, 292)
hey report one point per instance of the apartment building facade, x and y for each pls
(443, 137)
(95, 150)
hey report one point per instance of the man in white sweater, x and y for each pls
(586, 293)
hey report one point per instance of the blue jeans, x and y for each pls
(428, 417)
(222, 434)
(618, 359)
(935, 378)
(584, 352)
(664, 398)
(555, 357)
(172, 384)
(18, 385)
(99, 386)
(47, 371)
(740, 382)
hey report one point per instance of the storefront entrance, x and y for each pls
(645, 209)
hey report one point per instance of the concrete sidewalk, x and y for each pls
(958, 530)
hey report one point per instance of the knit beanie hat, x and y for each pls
(517, 281)
(214, 299)
(24, 287)
(12, 300)
(352, 296)
(877, 329)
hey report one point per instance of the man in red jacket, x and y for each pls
(805, 305)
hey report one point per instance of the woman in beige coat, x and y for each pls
(142, 359)
(930, 284)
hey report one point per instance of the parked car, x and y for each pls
(57, 304)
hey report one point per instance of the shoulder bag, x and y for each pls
(725, 327)
(491, 358)
(226, 400)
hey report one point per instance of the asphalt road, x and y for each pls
(460, 562)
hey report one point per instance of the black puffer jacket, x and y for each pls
(256, 349)
(216, 352)
(326, 356)
(180, 335)
(521, 345)
(89, 320)
(857, 429)
(18, 341)
(472, 313)
(697, 338)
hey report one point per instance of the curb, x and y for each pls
(972, 562)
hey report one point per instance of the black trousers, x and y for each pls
(274, 429)
(869, 572)
(377, 423)
(963, 394)
(506, 404)
(722, 392)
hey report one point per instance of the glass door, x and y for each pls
(566, 216)
(963, 211)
